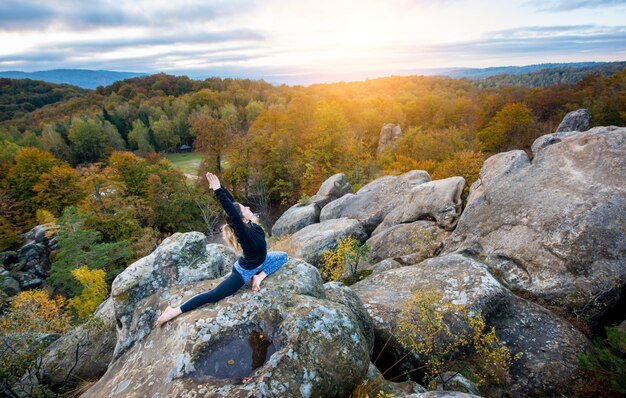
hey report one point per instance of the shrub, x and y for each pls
(438, 332)
(345, 258)
(605, 366)
(24, 335)
(93, 294)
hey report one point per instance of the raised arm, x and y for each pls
(227, 201)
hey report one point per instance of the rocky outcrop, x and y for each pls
(554, 227)
(30, 264)
(375, 200)
(307, 213)
(407, 243)
(389, 134)
(439, 200)
(8, 285)
(297, 337)
(549, 345)
(312, 241)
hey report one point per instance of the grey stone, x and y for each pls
(375, 200)
(296, 218)
(180, 259)
(578, 120)
(572, 123)
(556, 227)
(334, 187)
(86, 351)
(307, 213)
(312, 241)
(454, 381)
(439, 200)
(407, 243)
(389, 134)
(8, 284)
(376, 382)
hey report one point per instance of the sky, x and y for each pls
(305, 41)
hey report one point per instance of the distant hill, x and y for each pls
(84, 78)
(19, 97)
(541, 75)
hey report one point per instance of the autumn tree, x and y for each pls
(509, 128)
(211, 134)
(25, 331)
(30, 164)
(58, 188)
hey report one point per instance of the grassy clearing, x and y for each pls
(187, 162)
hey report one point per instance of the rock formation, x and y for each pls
(320, 335)
(554, 227)
(389, 134)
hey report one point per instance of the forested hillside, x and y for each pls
(552, 76)
(97, 154)
(19, 97)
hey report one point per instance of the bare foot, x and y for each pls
(167, 315)
(246, 380)
(256, 281)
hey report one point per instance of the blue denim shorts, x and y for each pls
(273, 261)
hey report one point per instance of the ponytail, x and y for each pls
(228, 234)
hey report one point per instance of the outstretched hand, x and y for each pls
(214, 182)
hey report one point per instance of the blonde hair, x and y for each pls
(228, 232)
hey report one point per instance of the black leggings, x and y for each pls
(228, 287)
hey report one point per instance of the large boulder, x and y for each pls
(375, 200)
(578, 120)
(307, 213)
(296, 337)
(408, 243)
(554, 227)
(312, 241)
(180, 259)
(548, 345)
(438, 200)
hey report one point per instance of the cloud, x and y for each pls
(569, 5)
(540, 42)
(25, 15)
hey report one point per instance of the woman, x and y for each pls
(243, 233)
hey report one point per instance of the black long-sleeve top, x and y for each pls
(250, 236)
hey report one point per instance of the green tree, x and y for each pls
(139, 138)
(78, 247)
(165, 134)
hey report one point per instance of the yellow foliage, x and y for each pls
(344, 258)
(35, 311)
(44, 216)
(425, 328)
(94, 291)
